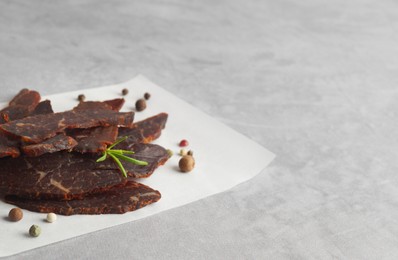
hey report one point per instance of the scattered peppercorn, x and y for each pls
(34, 231)
(190, 152)
(81, 97)
(51, 217)
(15, 214)
(125, 91)
(140, 104)
(170, 152)
(147, 96)
(183, 152)
(184, 143)
(186, 163)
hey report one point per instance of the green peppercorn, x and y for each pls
(170, 152)
(35, 231)
(140, 104)
(81, 97)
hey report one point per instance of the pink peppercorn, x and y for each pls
(184, 143)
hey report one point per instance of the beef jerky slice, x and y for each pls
(114, 104)
(35, 129)
(8, 146)
(66, 175)
(144, 131)
(151, 153)
(57, 143)
(44, 107)
(93, 140)
(117, 200)
(20, 106)
(96, 139)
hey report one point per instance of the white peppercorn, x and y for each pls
(51, 217)
(183, 152)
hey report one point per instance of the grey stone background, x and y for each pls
(313, 81)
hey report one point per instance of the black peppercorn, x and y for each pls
(147, 96)
(125, 91)
(81, 97)
(140, 104)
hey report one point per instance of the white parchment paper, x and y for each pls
(224, 158)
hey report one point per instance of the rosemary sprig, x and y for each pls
(118, 155)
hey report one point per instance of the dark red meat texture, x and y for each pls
(55, 144)
(93, 140)
(144, 131)
(46, 179)
(117, 200)
(96, 139)
(36, 129)
(23, 104)
(114, 104)
(20, 106)
(26, 97)
(44, 107)
(8, 146)
(66, 175)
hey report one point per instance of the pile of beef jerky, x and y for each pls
(48, 160)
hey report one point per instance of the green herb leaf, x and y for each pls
(117, 142)
(120, 154)
(132, 160)
(102, 158)
(119, 164)
(123, 151)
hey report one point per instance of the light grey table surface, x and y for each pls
(315, 82)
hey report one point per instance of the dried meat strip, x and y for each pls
(26, 97)
(44, 107)
(117, 200)
(36, 129)
(20, 106)
(55, 144)
(93, 140)
(8, 146)
(89, 140)
(114, 104)
(154, 154)
(66, 175)
(144, 131)
(96, 139)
